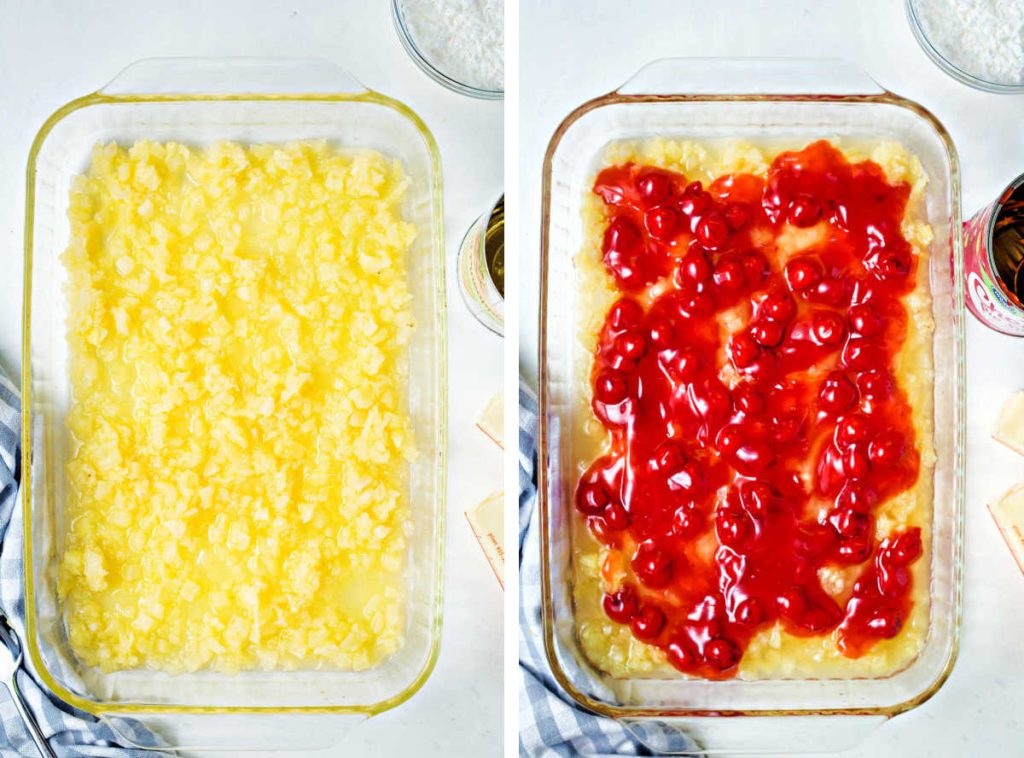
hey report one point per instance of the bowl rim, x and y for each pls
(99, 707)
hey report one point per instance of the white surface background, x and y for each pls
(571, 52)
(52, 52)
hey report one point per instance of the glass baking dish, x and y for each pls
(198, 102)
(761, 100)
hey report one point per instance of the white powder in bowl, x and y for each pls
(984, 38)
(464, 39)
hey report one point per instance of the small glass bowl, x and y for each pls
(398, 14)
(960, 74)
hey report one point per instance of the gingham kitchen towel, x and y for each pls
(71, 733)
(550, 722)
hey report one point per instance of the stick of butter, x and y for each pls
(1008, 513)
(1010, 427)
(488, 524)
(492, 421)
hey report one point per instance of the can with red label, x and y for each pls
(994, 262)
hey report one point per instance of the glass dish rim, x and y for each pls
(956, 72)
(621, 712)
(100, 707)
(410, 46)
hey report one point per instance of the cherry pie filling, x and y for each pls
(754, 419)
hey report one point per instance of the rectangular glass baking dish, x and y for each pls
(777, 100)
(200, 101)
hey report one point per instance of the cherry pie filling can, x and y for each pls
(994, 262)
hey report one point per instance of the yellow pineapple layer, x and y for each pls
(238, 321)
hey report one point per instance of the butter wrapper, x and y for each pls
(1008, 513)
(492, 420)
(1010, 427)
(488, 524)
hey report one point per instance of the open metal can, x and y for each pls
(994, 262)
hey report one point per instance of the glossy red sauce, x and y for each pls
(701, 497)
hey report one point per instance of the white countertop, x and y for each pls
(572, 52)
(52, 52)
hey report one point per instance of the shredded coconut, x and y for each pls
(461, 38)
(984, 38)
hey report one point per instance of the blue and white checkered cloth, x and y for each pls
(71, 733)
(550, 722)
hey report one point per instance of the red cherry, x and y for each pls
(631, 345)
(721, 653)
(687, 478)
(618, 361)
(767, 333)
(695, 267)
(662, 334)
(733, 527)
(854, 550)
(754, 457)
(852, 428)
(861, 353)
(886, 623)
(756, 268)
(711, 399)
(748, 398)
(837, 393)
(749, 612)
(694, 203)
(687, 521)
(856, 463)
(712, 232)
(890, 264)
(828, 327)
(591, 498)
(616, 516)
(620, 606)
(668, 458)
(778, 306)
(698, 305)
(682, 655)
(623, 237)
(729, 438)
(693, 188)
(893, 580)
(787, 426)
(648, 623)
(887, 448)
(681, 365)
(834, 292)
(729, 276)
(625, 314)
(906, 548)
(856, 497)
(653, 187)
(743, 350)
(864, 320)
(661, 222)
(757, 498)
(802, 273)
(875, 384)
(611, 388)
(804, 211)
(850, 523)
(737, 215)
(652, 566)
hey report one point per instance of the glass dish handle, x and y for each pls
(232, 76)
(750, 76)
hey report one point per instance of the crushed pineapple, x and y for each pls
(238, 318)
